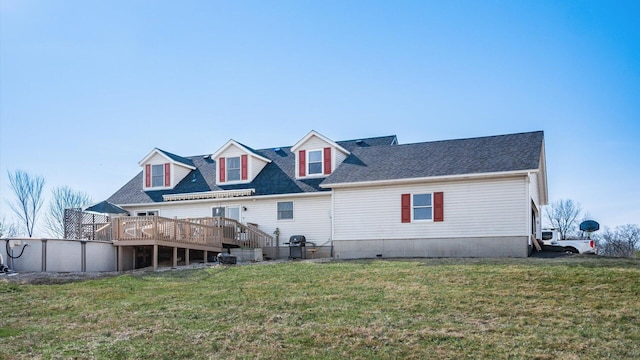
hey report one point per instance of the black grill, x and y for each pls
(297, 245)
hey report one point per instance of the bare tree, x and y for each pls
(7, 229)
(63, 197)
(624, 241)
(562, 216)
(28, 192)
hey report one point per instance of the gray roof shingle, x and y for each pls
(177, 158)
(441, 158)
(277, 177)
(371, 159)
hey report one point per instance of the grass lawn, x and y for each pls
(568, 308)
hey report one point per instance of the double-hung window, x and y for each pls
(315, 162)
(233, 169)
(285, 210)
(422, 207)
(157, 175)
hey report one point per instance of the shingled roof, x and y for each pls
(177, 158)
(371, 159)
(490, 154)
(277, 177)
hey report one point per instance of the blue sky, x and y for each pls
(88, 88)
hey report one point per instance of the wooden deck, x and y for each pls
(211, 234)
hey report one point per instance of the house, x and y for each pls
(369, 197)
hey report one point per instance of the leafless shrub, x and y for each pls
(624, 241)
(7, 229)
(63, 197)
(562, 216)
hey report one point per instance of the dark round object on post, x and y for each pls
(589, 226)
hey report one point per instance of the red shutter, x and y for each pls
(302, 162)
(327, 161)
(147, 175)
(438, 206)
(221, 169)
(243, 167)
(406, 208)
(167, 174)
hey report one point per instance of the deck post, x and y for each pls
(155, 226)
(120, 260)
(186, 256)
(205, 256)
(175, 257)
(155, 257)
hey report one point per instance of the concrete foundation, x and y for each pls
(515, 246)
(245, 254)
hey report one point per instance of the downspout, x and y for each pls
(528, 203)
(331, 221)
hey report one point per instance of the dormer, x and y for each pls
(317, 156)
(237, 163)
(162, 170)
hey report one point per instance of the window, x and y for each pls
(285, 210)
(315, 162)
(157, 175)
(147, 213)
(233, 169)
(422, 207)
(233, 213)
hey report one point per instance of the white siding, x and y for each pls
(232, 151)
(489, 208)
(178, 173)
(314, 143)
(312, 214)
(255, 166)
(157, 159)
(533, 189)
(339, 158)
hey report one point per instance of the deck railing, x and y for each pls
(209, 231)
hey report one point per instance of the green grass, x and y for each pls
(570, 308)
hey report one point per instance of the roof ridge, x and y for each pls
(474, 138)
(175, 157)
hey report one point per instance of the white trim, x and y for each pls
(170, 160)
(308, 155)
(156, 188)
(226, 170)
(224, 147)
(542, 181)
(312, 133)
(419, 221)
(204, 200)
(208, 195)
(234, 205)
(157, 211)
(429, 179)
(293, 210)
